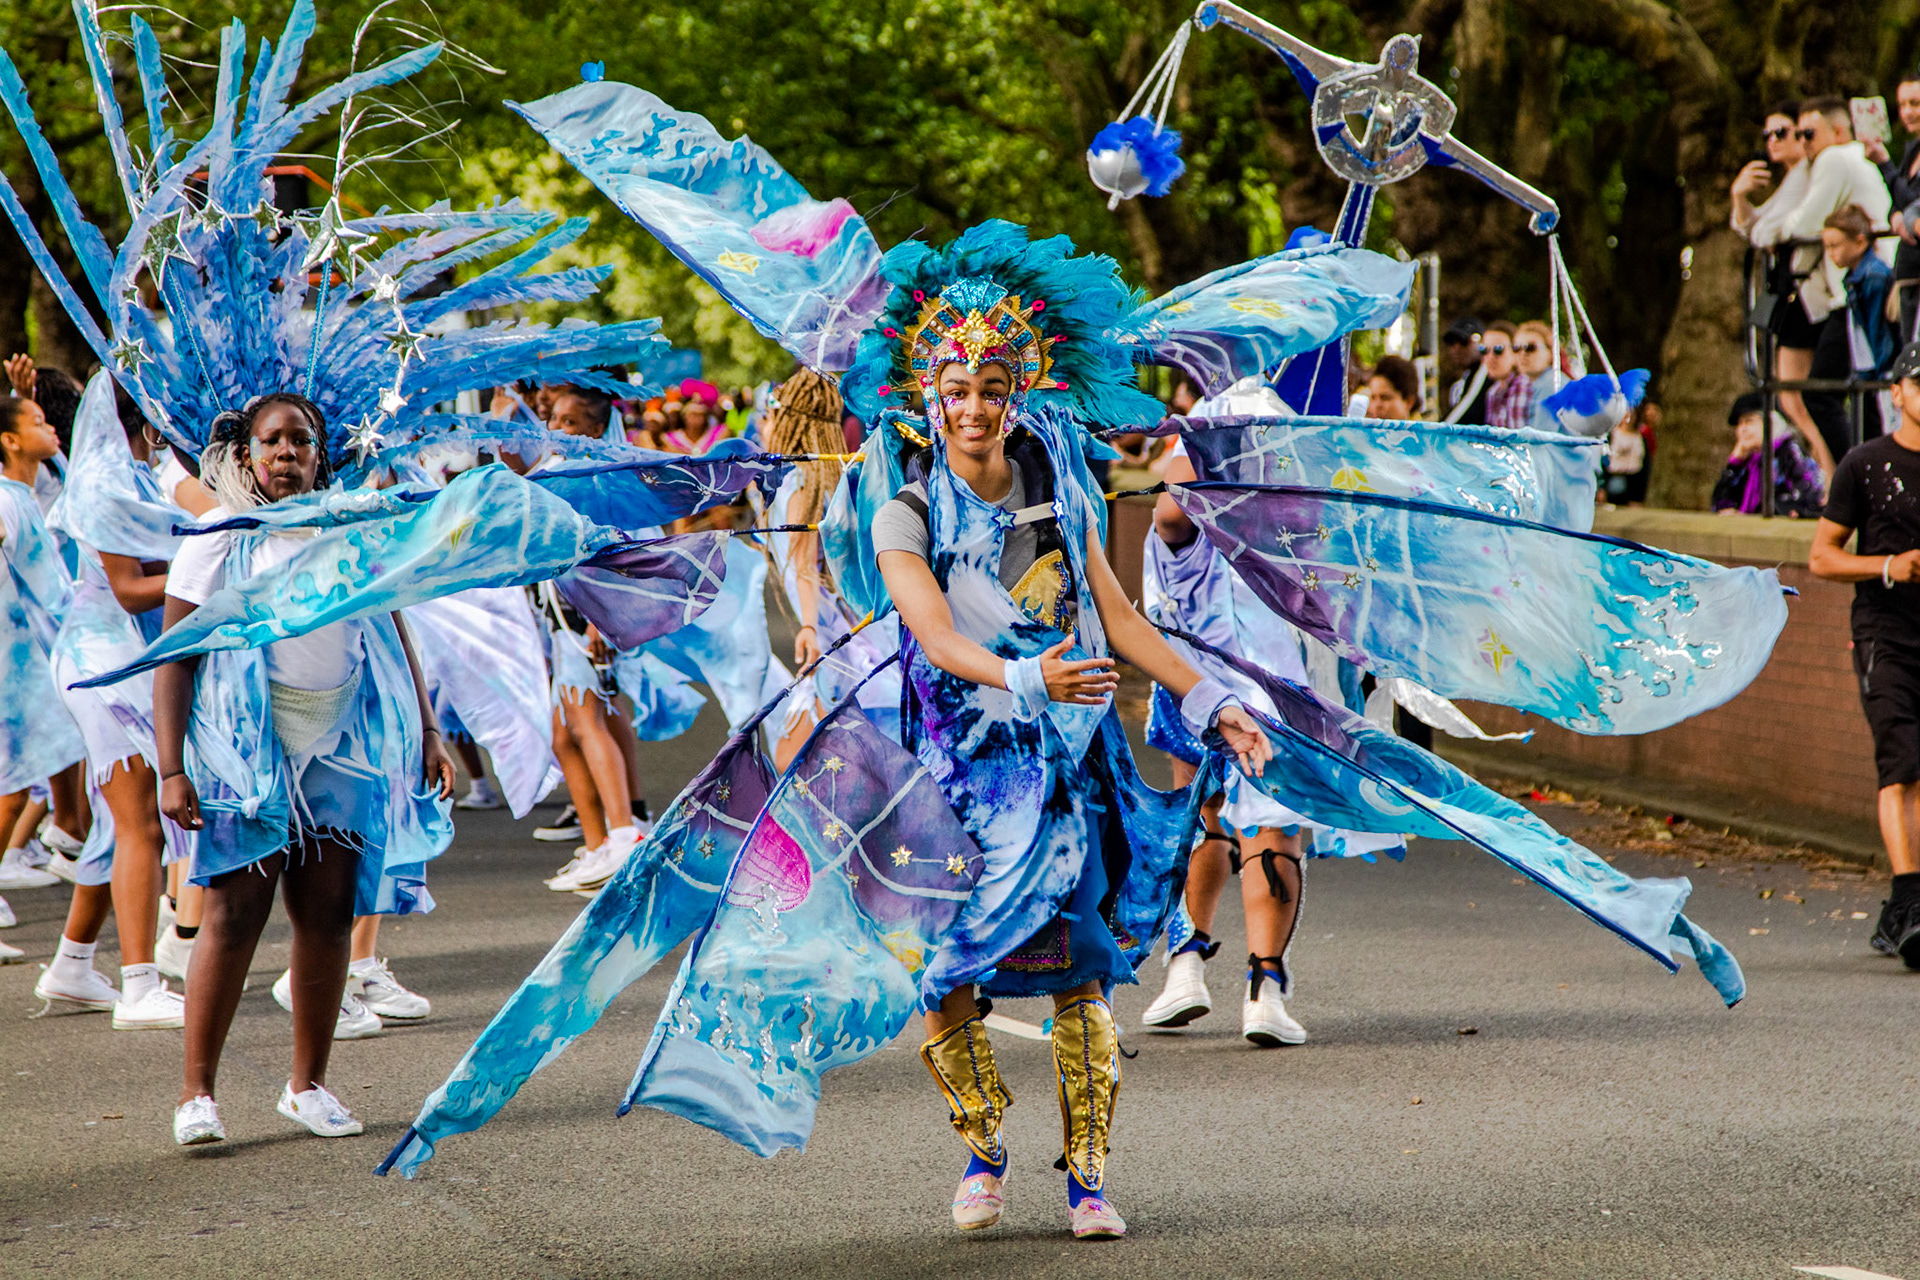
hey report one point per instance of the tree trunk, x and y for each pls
(1702, 370)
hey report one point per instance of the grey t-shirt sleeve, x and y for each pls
(899, 527)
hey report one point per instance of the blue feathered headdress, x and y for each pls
(353, 313)
(1015, 284)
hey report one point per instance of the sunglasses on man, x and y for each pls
(1805, 135)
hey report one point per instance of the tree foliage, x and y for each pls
(933, 114)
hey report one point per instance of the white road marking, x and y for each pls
(1844, 1273)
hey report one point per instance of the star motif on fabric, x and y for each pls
(835, 764)
(853, 879)
(364, 436)
(706, 846)
(128, 354)
(1373, 566)
(902, 856)
(266, 217)
(678, 855)
(800, 785)
(648, 477)
(163, 246)
(392, 402)
(723, 792)
(1515, 582)
(1311, 581)
(835, 831)
(1286, 537)
(956, 865)
(1351, 580)
(1321, 532)
(1494, 650)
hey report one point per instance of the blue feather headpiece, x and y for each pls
(344, 311)
(995, 295)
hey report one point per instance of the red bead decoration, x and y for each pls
(1039, 305)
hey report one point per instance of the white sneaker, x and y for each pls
(158, 1010)
(17, 873)
(11, 955)
(384, 995)
(567, 872)
(356, 1021)
(319, 1110)
(1265, 1021)
(89, 989)
(64, 867)
(34, 854)
(600, 865)
(1185, 997)
(172, 954)
(7, 920)
(196, 1121)
(564, 827)
(59, 842)
(481, 795)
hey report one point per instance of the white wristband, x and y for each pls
(1028, 687)
(1203, 703)
(1886, 573)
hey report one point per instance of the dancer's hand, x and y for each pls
(180, 802)
(20, 373)
(597, 647)
(438, 764)
(1245, 738)
(1088, 681)
(806, 646)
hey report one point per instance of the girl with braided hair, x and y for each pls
(296, 776)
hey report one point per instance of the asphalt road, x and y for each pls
(1604, 1119)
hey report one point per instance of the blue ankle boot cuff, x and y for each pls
(1076, 1193)
(977, 1165)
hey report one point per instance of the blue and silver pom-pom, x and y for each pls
(1593, 406)
(1135, 157)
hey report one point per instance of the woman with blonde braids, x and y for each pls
(803, 418)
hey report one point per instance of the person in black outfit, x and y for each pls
(1876, 491)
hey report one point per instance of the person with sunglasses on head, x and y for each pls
(1839, 174)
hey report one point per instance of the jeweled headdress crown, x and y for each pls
(976, 322)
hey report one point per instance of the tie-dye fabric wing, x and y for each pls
(630, 488)
(111, 502)
(664, 892)
(1245, 319)
(853, 873)
(488, 528)
(1596, 634)
(644, 590)
(805, 272)
(1524, 475)
(1341, 769)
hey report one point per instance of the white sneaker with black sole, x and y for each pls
(564, 827)
(381, 992)
(18, 873)
(356, 1021)
(323, 1114)
(1264, 1019)
(1185, 997)
(173, 954)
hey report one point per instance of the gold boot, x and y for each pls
(962, 1064)
(1086, 1058)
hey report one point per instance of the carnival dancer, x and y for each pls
(115, 512)
(803, 418)
(39, 742)
(320, 729)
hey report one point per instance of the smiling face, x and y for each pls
(1535, 352)
(973, 407)
(283, 453)
(572, 416)
(1908, 96)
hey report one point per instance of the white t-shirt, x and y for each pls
(322, 659)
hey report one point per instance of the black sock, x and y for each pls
(1906, 888)
(185, 932)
